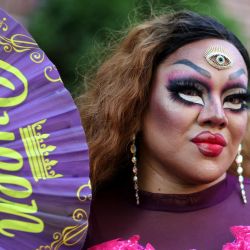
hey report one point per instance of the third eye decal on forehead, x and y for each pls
(217, 57)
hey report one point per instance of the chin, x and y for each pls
(211, 170)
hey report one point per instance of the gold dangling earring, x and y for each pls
(239, 160)
(135, 170)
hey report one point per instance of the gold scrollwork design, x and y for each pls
(18, 42)
(50, 69)
(81, 197)
(21, 43)
(3, 25)
(71, 235)
(37, 56)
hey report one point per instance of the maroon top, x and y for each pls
(198, 221)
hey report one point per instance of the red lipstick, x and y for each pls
(209, 144)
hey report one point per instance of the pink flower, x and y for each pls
(242, 239)
(118, 244)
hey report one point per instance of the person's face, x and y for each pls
(196, 117)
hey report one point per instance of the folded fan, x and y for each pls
(44, 166)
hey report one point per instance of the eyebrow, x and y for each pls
(194, 66)
(237, 74)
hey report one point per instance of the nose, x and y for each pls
(213, 115)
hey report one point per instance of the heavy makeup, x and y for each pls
(195, 120)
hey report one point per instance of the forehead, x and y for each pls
(195, 52)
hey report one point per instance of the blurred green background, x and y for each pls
(75, 33)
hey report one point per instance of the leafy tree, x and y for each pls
(73, 32)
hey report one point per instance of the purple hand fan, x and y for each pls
(44, 167)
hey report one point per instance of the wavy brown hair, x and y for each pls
(112, 109)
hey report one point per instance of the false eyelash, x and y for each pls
(243, 96)
(177, 86)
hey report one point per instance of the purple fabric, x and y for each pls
(188, 202)
(44, 163)
(200, 221)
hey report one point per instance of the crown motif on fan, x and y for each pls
(38, 152)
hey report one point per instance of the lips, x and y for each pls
(209, 144)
